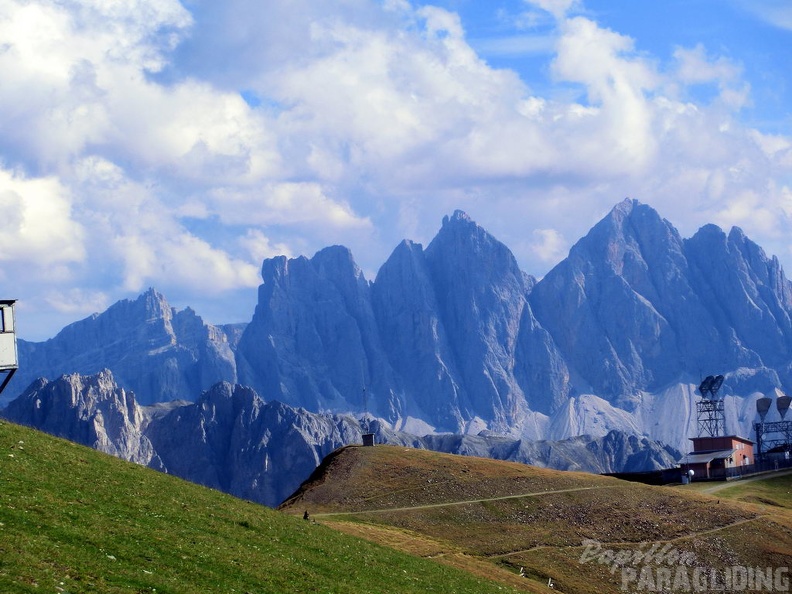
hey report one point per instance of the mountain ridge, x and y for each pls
(456, 338)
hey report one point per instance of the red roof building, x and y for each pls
(718, 457)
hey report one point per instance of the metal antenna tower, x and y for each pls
(773, 435)
(710, 409)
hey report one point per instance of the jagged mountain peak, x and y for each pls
(337, 263)
(458, 217)
(737, 235)
(152, 298)
(151, 348)
(229, 399)
(710, 233)
(333, 262)
(227, 391)
(334, 253)
(462, 244)
(630, 231)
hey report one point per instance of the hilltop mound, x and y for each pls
(355, 478)
(473, 511)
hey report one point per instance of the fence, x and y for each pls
(767, 465)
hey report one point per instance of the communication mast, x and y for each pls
(773, 436)
(9, 361)
(710, 409)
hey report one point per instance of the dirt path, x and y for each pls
(756, 477)
(466, 502)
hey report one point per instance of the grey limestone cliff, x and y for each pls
(636, 308)
(91, 410)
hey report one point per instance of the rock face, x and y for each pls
(313, 341)
(90, 410)
(444, 335)
(635, 308)
(159, 353)
(230, 439)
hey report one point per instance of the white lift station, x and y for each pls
(9, 361)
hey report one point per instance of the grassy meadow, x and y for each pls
(478, 513)
(75, 520)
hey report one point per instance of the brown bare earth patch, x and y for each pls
(494, 518)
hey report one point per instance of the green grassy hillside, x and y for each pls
(75, 520)
(477, 514)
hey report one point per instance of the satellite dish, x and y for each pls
(762, 406)
(783, 402)
(705, 386)
(716, 384)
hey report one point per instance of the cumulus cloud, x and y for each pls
(176, 145)
(775, 12)
(37, 225)
(549, 245)
(558, 8)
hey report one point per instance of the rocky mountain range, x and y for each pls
(232, 440)
(455, 338)
(159, 353)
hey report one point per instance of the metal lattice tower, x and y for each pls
(710, 409)
(773, 435)
(711, 418)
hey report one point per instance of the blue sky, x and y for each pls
(177, 145)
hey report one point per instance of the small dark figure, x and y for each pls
(305, 515)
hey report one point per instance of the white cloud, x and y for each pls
(136, 160)
(37, 225)
(181, 260)
(77, 301)
(287, 203)
(146, 238)
(616, 82)
(260, 247)
(775, 12)
(695, 67)
(549, 245)
(558, 8)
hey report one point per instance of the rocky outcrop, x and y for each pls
(231, 440)
(614, 452)
(90, 410)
